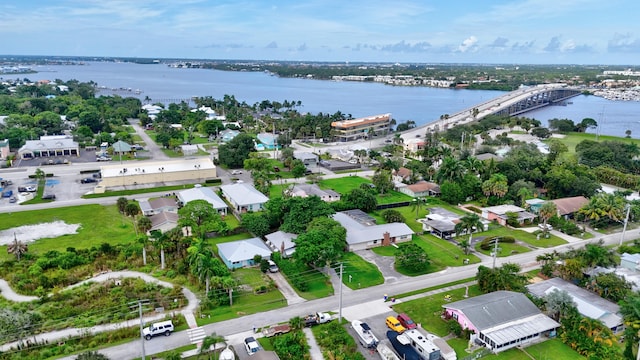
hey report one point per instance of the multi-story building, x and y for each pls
(354, 129)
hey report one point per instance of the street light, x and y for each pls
(197, 166)
(161, 169)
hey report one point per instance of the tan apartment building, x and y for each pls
(354, 129)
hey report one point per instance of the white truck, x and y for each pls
(365, 335)
(316, 319)
(160, 328)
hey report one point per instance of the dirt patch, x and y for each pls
(31, 233)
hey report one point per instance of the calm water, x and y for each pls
(420, 104)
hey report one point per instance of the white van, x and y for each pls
(160, 328)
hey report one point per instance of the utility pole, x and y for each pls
(495, 253)
(141, 334)
(340, 306)
(624, 228)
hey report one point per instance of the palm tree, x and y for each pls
(122, 204)
(144, 225)
(17, 248)
(418, 204)
(467, 224)
(465, 245)
(496, 185)
(472, 164)
(547, 211)
(160, 240)
(132, 210)
(524, 193)
(450, 170)
(200, 259)
(210, 341)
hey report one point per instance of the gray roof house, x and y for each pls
(363, 233)
(203, 193)
(240, 253)
(282, 242)
(163, 221)
(158, 205)
(588, 303)
(501, 320)
(306, 190)
(121, 147)
(442, 223)
(244, 197)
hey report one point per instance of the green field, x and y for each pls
(359, 273)
(574, 138)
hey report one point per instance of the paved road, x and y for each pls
(359, 304)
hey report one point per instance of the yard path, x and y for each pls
(54, 336)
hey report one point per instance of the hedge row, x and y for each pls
(488, 242)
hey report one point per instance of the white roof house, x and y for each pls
(282, 242)
(306, 190)
(588, 303)
(364, 234)
(499, 213)
(244, 197)
(237, 254)
(203, 193)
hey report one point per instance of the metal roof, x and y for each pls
(202, 193)
(244, 194)
(243, 250)
(520, 328)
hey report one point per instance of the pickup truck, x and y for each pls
(316, 319)
(276, 330)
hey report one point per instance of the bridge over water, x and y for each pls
(512, 103)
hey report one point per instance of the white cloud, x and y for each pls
(469, 44)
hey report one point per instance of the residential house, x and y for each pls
(569, 205)
(4, 149)
(306, 157)
(281, 242)
(244, 197)
(630, 261)
(501, 320)
(589, 304)
(158, 205)
(306, 190)
(228, 135)
(238, 254)
(441, 223)
(402, 175)
(267, 141)
(203, 193)
(415, 146)
(163, 221)
(364, 233)
(534, 204)
(120, 147)
(500, 214)
(421, 189)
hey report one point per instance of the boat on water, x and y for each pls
(227, 354)
(386, 353)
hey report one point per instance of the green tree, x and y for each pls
(497, 185)
(506, 277)
(630, 310)
(391, 216)
(144, 225)
(382, 180)
(451, 192)
(256, 223)
(546, 211)
(236, 151)
(297, 168)
(201, 217)
(412, 257)
(417, 204)
(450, 170)
(358, 198)
(557, 302)
(468, 224)
(132, 210)
(301, 211)
(209, 343)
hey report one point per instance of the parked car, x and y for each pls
(160, 328)
(394, 324)
(251, 345)
(13, 199)
(7, 193)
(273, 268)
(49, 197)
(548, 227)
(103, 158)
(88, 180)
(28, 188)
(136, 147)
(406, 321)
(236, 172)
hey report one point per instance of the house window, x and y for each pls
(455, 316)
(375, 241)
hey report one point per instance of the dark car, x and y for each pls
(276, 169)
(88, 180)
(48, 197)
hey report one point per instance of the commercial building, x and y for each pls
(141, 173)
(49, 146)
(354, 129)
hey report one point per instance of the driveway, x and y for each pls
(154, 150)
(286, 289)
(384, 263)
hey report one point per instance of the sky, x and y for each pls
(403, 31)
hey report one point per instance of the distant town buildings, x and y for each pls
(354, 129)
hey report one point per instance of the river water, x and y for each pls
(420, 104)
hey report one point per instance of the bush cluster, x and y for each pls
(488, 242)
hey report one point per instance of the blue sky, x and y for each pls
(469, 31)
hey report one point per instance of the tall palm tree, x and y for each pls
(17, 248)
(524, 193)
(200, 259)
(467, 224)
(132, 210)
(209, 341)
(497, 185)
(144, 225)
(450, 170)
(418, 204)
(547, 211)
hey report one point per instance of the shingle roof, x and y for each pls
(422, 186)
(358, 233)
(163, 202)
(243, 249)
(570, 205)
(158, 220)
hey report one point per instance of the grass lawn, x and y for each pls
(245, 302)
(393, 197)
(504, 249)
(343, 185)
(442, 253)
(170, 188)
(553, 349)
(359, 273)
(521, 235)
(98, 224)
(574, 138)
(409, 215)
(318, 284)
(426, 311)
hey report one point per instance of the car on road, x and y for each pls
(49, 197)
(160, 328)
(388, 141)
(103, 158)
(88, 180)
(13, 199)
(251, 345)
(7, 193)
(28, 188)
(547, 227)
(236, 172)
